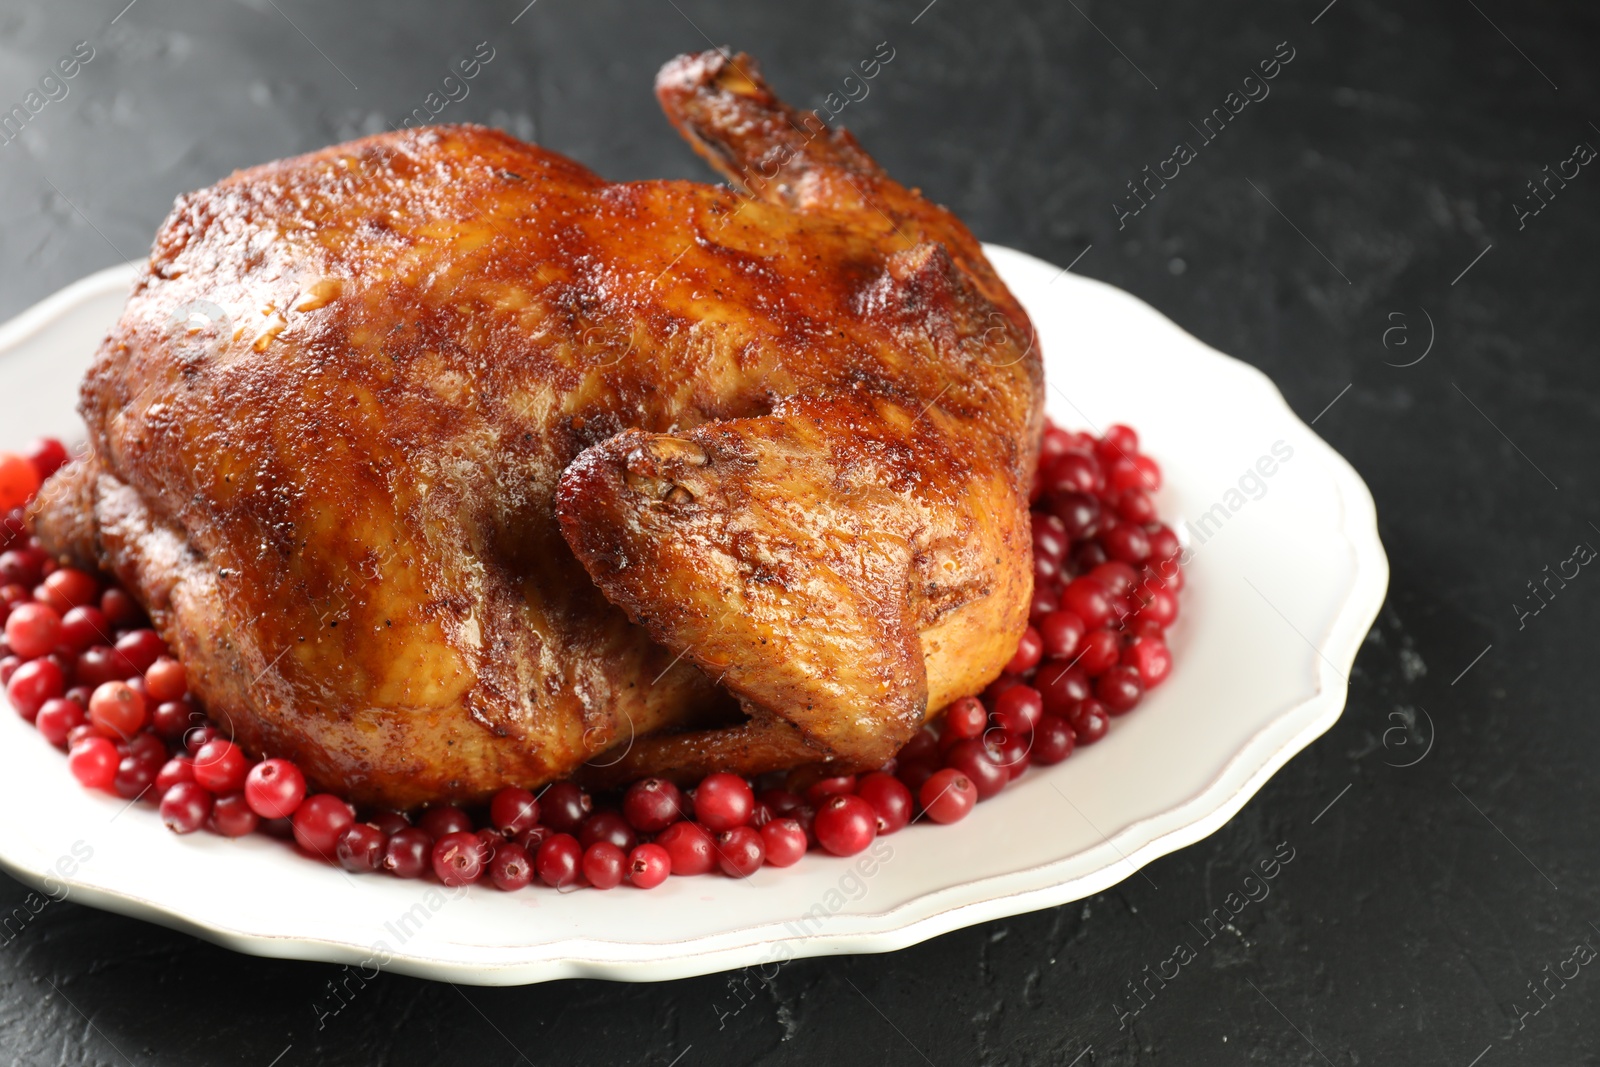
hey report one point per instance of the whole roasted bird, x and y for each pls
(445, 464)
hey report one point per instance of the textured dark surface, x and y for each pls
(1419, 906)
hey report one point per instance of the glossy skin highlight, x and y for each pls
(445, 464)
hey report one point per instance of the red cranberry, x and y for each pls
(444, 820)
(1090, 721)
(389, 822)
(32, 684)
(458, 858)
(1073, 472)
(652, 804)
(1029, 648)
(1049, 536)
(93, 762)
(1150, 657)
(534, 836)
(141, 648)
(80, 733)
(231, 816)
(22, 566)
(120, 609)
(564, 807)
(978, 763)
(1119, 689)
(1118, 578)
(513, 810)
(924, 744)
(185, 807)
(723, 801)
(1010, 750)
(1135, 505)
(1149, 473)
(33, 630)
(604, 865)
(965, 718)
(1126, 542)
(409, 853)
(318, 822)
(1099, 652)
(1164, 545)
(175, 770)
(559, 860)
(72, 587)
(1086, 557)
(1087, 599)
(780, 802)
(649, 865)
(360, 848)
(134, 777)
(1018, 709)
(199, 736)
(1045, 600)
(1060, 686)
(117, 710)
(99, 665)
(1059, 634)
(221, 766)
(512, 867)
(173, 718)
(845, 825)
(84, 627)
(740, 851)
(912, 773)
(890, 798)
(166, 680)
(1078, 513)
(1053, 740)
(818, 792)
(948, 796)
(47, 456)
(1161, 608)
(784, 841)
(607, 826)
(274, 788)
(689, 846)
(57, 718)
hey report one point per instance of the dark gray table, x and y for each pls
(1381, 185)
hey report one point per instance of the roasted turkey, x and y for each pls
(445, 464)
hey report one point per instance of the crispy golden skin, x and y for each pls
(445, 464)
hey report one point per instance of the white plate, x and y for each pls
(1279, 598)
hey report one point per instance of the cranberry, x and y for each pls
(780, 802)
(689, 846)
(57, 718)
(966, 718)
(1045, 600)
(1049, 536)
(197, 737)
(1149, 473)
(512, 867)
(32, 684)
(282, 829)
(19, 480)
(604, 865)
(912, 773)
(924, 744)
(409, 853)
(565, 806)
(978, 763)
(1018, 709)
(173, 718)
(185, 807)
(652, 804)
(723, 801)
(82, 627)
(948, 796)
(134, 777)
(1087, 556)
(1087, 599)
(1029, 648)
(1053, 740)
(73, 587)
(80, 733)
(93, 762)
(99, 664)
(231, 816)
(457, 858)
(1161, 608)
(1126, 542)
(513, 810)
(558, 860)
(1078, 513)
(117, 710)
(1059, 634)
(1073, 472)
(1150, 657)
(1118, 578)
(120, 609)
(22, 566)
(390, 822)
(1135, 505)
(175, 770)
(1164, 545)
(784, 841)
(890, 798)
(818, 793)
(1010, 750)
(47, 455)
(221, 766)
(273, 788)
(1090, 721)
(1100, 651)
(534, 836)
(33, 630)
(649, 865)
(318, 822)
(166, 680)
(607, 826)
(444, 820)
(845, 825)
(141, 648)
(1119, 689)
(741, 851)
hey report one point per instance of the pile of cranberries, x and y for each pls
(79, 660)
